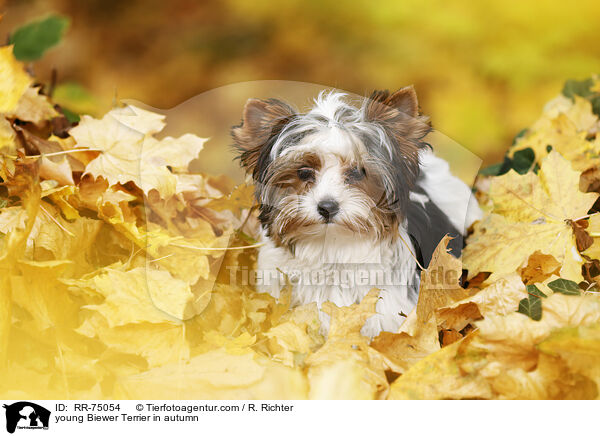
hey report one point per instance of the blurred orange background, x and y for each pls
(483, 70)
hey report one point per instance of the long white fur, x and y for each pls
(333, 250)
(338, 254)
(449, 193)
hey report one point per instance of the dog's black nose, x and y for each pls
(328, 208)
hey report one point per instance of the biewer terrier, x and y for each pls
(351, 197)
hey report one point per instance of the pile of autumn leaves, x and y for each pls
(116, 269)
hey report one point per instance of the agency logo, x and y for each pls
(26, 415)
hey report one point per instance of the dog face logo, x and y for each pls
(26, 415)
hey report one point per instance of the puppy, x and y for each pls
(350, 198)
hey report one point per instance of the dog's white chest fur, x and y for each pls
(342, 269)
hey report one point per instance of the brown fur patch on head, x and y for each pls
(279, 194)
(289, 225)
(261, 120)
(283, 174)
(398, 113)
(384, 218)
(394, 107)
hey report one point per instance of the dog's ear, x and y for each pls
(399, 113)
(384, 106)
(261, 120)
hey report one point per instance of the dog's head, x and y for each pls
(340, 167)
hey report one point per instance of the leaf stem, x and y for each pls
(260, 244)
(411, 253)
(55, 221)
(584, 217)
(57, 153)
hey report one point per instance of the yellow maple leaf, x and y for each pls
(594, 230)
(96, 193)
(552, 195)
(233, 345)
(292, 340)
(137, 119)
(499, 298)
(53, 237)
(345, 343)
(502, 358)
(440, 282)
(158, 343)
(551, 379)
(37, 291)
(7, 138)
(348, 321)
(140, 295)
(579, 347)
(341, 380)
(241, 198)
(61, 197)
(501, 247)
(579, 111)
(530, 213)
(512, 339)
(217, 375)
(539, 267)
(419, 334)
(563, 127)
(183, 257)
(56, 168)
(12, 218)
(14, 81)
(177, 153)
(561, 135)
(130, 153)
(14, 245)
(120, 138)
(506, 351)
(34, 107)
(437, 377)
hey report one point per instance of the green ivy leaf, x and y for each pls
(532, 305)
(581, 88)
(75, 97)
(523, 160)
(533, 291)
(492, 170)
(595, 105)
(519, 135)
(33, 39)
(566, 287)
(71, 117)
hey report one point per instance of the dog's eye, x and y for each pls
(354, 175)
(306, 174)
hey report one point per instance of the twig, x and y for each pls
(53, 77)
(57, 153)
(260, 244)
(55, 221)
(411, 253)
(241, 229)
(585, 216)
(160, 258)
